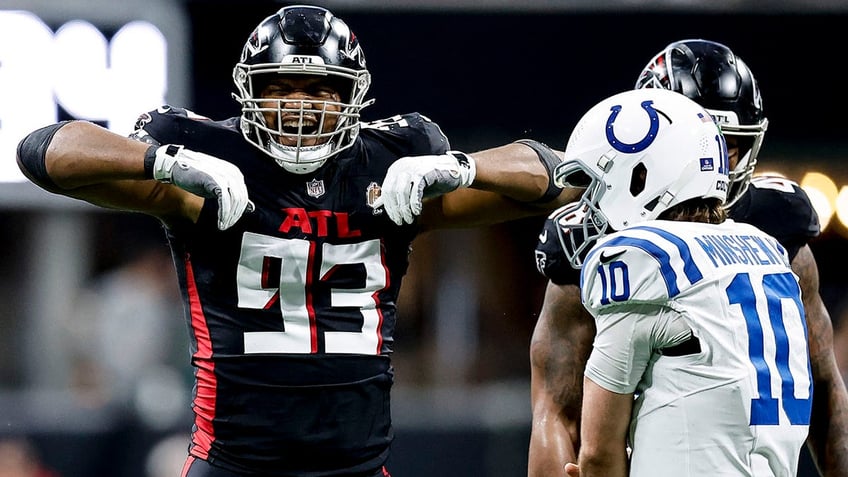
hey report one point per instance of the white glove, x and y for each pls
(206, 176)
(411, 179)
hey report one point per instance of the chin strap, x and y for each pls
(289, 157)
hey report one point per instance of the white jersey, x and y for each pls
(739, 406)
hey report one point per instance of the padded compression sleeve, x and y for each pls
(31, 153)
(550, 160)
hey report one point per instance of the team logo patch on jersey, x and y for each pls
(371, 193)
(541, 261)
(315, 188)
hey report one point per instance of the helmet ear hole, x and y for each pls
(638, 178)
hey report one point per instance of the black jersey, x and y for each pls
(292, 310)
(780, 208)
(775, 205)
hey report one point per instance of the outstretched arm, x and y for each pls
(82, 160)
(511, 182)
(559, 349)
(521, 170)
(828, 435)
(465, 190)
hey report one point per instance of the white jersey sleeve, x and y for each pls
(628, 283)
(628, 336)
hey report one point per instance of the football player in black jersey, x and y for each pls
(290, 227)
(712, 75)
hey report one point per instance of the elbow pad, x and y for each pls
(31, 153)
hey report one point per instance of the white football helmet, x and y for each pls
(639, 153)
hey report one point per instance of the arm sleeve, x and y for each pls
(550, 160)
(31, 154)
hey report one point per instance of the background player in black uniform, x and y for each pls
(713, 76)
(290, 227)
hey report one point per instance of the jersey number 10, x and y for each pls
(790, 347)
(778, 289)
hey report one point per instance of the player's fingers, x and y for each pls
(416, 194)
(234, 202)
(224, 208)
(410, 186)
(389, 198)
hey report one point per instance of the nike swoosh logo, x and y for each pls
(543, 237)
(608, 258)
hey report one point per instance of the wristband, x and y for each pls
(468, 167)
(462, 158)
(550, 160)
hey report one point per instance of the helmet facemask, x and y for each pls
(581, 224)
(305, 132)
(749, 140)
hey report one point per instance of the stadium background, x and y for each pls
(489, 73)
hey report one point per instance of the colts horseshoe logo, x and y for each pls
(645, 141)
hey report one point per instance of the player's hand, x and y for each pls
(411, 179)
(206, 176)
(572, 470)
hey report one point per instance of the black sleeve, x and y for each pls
(31, 154)
(550, 160)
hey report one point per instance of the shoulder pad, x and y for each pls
(617, 271)
(412, 134)
(155, 127)
(645, 263)
(780, 208)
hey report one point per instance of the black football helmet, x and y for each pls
(714, 77)
(301, 40)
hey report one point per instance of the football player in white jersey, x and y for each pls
(700, 363)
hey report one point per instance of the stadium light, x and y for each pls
(842, 206)
(823, 194)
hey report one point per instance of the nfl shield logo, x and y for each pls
(315, 188)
